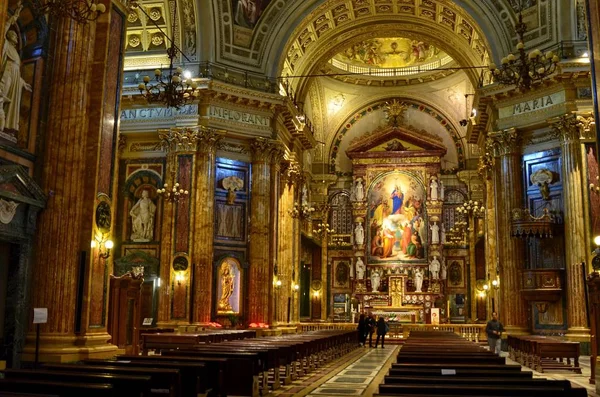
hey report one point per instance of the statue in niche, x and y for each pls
(227, 287)
(435, 233)
(11, 83)
(360, 269)
(443, 239)
(359, 191)
(443, 271)
(418, 280)
(434, 268)
(442, 190)
(434, 189)
(304, 197)
(142, 219)
(359, 234)
(375, 281)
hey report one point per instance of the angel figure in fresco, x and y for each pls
(226, 287)
(397, 197)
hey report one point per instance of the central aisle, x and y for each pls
(357, 374)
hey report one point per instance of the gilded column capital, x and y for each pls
(291, 172)
(588, 126)
(504, 142)
(207, 139)
(277, 153)
(486, 163)
(566, 128)
(187, 139)
(265, 150)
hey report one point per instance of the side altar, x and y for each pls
(398, 269)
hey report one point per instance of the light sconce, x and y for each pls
(316, 294)
(179, 276)
(277, 283)
(108, 245)
(295, 287)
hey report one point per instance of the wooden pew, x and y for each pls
(197, 378)
(161, 379)
(544, 353)
(123, 385)
(63, 389)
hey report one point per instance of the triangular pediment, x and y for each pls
(16, 185)
(397, 140)
(137, 258)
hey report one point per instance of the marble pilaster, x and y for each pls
(203, 227)
(63, 241)
(260, 272)
(275, 164)
(166, 247)
(567, 130)
(486, 163)
(509, 187)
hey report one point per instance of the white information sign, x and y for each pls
(40, 315)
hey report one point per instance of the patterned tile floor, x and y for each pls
(360, 373)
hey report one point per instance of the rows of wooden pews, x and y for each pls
(544, 353)
(444, 364)
(217, 363)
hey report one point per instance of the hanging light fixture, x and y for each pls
(174, 90)
(81, 11)
(524, 68)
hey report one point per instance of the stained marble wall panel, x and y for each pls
(231, 226)
(593, 173)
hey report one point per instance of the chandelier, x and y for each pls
(174, 90)
(81, 11)
(323, 228)
(172, 194)
(471, 207)
(301, 211)
(524, 69)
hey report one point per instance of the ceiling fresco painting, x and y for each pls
(392, 52)
(247, 12)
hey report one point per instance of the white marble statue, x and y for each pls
(434, 189)
(142, 219)
(443, 239)
(442, 190)
(359, 234)
(375, 281)
(435, 233)
(360, 269)
(359, 194)
(443, 272)
(304, 195)
(352, 268)
(418, 280)
(434, 268)
(11, 83)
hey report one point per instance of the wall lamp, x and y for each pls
(179, 276)
(104, 247)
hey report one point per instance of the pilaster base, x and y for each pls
(62, 349)
(578, 334)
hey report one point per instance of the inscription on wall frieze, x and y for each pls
(532, 105)
(157, 113)
(239, 117)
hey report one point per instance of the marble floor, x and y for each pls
(360, 373)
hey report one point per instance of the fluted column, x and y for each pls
(260, 272)
(203, 227)
(509, 188)
(63, 239)
(567, 130)
(166, 244)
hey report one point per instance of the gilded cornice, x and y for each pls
(504, 142)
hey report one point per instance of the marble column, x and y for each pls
(166, 246)
(260, 272)
(486, 163)
(203, 227)
(567, 130)
(509, 188)
(62, 243)
(276, 158)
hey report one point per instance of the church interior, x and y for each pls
(280, 168)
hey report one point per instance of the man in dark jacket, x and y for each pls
(371, 324)
(382, 329)
(494, 330)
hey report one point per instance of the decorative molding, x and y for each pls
(504, 142)
(8, 209)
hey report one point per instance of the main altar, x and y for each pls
(398, 271)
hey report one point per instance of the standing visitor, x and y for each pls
(494, 330)
(371, 324)
(362, 330)
(382, 329)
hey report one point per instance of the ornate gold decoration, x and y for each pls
(232, 183)
(263, 150)
(188, 138)
(394, 112)
(543, 178)
(566, 128)
(524, 224)
(227, 287)
(486, 160)
(504, 142)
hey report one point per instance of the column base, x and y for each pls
(67, 348)
(578, 334)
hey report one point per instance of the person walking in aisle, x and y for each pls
(371, 324)
(494, 330)
(362, 330)
(382, 329)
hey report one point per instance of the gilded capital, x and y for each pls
(186, 139)
(208, 138)
(263, 150)
(504, 142)
(486, 160)
(566, 128)
(291, 172)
